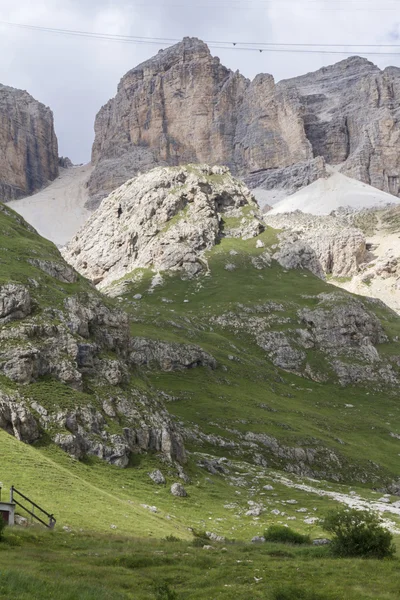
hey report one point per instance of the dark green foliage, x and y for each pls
(200, 538)
(164, 592)
(358, 533)
(285, 535)
(2, 527)
(172, 538)
(294, 593)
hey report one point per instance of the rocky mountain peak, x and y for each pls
(188, 50)
(183, 106)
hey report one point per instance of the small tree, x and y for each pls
(358, 533)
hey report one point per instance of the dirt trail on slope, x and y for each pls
(58, 211)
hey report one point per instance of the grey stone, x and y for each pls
(177, 489)
(157, 477)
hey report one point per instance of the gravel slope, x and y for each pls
(325, 195)
(58, 211)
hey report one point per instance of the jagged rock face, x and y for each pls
(183, 106)
(296, 254)
(340, 248)
(351, 113)
(28, 144)
(286, 181)
(68, 346)
(165, 220)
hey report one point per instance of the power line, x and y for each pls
(177, 40)
(290, 47)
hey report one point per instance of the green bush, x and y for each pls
(164, 592)
(200, 538)
(285, 535)
(2, 527)
(358, 533)
(295, 593)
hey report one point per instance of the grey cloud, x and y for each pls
(77, 76)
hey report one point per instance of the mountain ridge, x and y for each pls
(183, 106)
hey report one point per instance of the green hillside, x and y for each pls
(247, 393)
(249, 423)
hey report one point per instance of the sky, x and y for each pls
(76, 76)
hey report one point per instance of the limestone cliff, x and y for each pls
(351, 112)
(184, 106)
(28, 144)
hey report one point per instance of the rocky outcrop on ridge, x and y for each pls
(340, 330)
(183, 106)
(164, 220)
(339, 247)
(28, 144)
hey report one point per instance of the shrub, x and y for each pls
(164, 592)
(2, 527)
(358, 533)
(200, 538)
(295, 593)
(171, 538)
(285, 535)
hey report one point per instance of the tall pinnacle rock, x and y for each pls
(28, 144)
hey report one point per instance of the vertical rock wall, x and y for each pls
(28, 144)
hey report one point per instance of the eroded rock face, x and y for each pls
(297, 254)
(15, 302)
(169, 356)
(183, 106)
(339, 247)
(75, 343)
(350, 112)
(165, 220)
(17, 420)
(28, 144)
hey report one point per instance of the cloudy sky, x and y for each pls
(76, 76)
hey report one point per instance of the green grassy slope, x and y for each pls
(248, 393)
(67, 567)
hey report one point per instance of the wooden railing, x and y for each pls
(51, 521)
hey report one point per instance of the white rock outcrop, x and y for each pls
(165, 220)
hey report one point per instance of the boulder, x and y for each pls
(157, 477)
(178, 490)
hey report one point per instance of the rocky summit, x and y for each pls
(166, 220)
(183, 106)
(28, 144)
